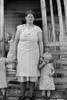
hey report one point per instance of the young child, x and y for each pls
(46, 83)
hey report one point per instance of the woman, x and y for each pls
(28, 50)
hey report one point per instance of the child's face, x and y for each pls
(46, 60)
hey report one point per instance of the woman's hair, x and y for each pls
(29, 12)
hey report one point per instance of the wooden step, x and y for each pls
(52, 44)
(62, 61)
(61, 80)
(61, 71)
(58, 52)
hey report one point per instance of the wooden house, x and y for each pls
(51, 16)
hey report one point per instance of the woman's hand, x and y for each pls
(41, 65)
(41, 59)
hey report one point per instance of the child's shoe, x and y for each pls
(48, 98)
(21, 98)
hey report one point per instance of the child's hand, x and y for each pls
(50, 75)
(41, 60)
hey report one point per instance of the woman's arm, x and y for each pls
(15, 43)
(40, 43)
(41, 65)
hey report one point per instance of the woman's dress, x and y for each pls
(28, 51)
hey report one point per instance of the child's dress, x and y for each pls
(3, 81)
(46, 81)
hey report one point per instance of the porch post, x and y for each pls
(65, 6)
(52, 20)
(2, 35)
(60, 20)
(44, 20)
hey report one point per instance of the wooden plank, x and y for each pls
(17, 86)
(52, 20)
(1, 18)
(56, 44)
(44, 20)
(60, 80)
(61, 87)
(2, 35)
(60, 61)
(60, 20)
(64, 67)
(61, 71)
(65, 5)
(58, 52)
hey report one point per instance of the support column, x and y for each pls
(65, 6)
(44, 21)
(2, 35)
(60, 21)
(52, 20)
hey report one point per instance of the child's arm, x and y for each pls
(41, 65)
(52, 71)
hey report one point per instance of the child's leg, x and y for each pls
(48, 93)
(43, 92)
(3, 91)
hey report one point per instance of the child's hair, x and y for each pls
(48, 56)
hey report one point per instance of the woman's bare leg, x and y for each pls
(43, 92)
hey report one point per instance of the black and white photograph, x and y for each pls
(33, 49)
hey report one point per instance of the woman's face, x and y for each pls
(30, 18)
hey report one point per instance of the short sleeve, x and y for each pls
(19, 27)
(39, 30)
